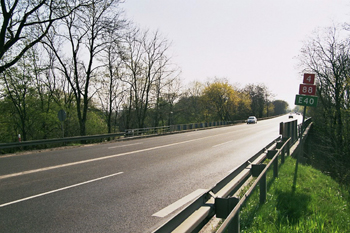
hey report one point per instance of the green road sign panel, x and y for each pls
(304, 100)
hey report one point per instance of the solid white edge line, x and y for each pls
(57, 190)
(171, 208)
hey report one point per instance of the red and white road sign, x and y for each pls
(309, 78)
(307, 92)
(305, 89)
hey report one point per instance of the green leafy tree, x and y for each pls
(259, 95)
(19, 94)
(190, 109)
(280, 107)
(244, 105)
(221, 100)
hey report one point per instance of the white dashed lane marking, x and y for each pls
(171, 208)
(58, 190)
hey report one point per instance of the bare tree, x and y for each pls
(166, 87)
(84, 31)
(131, 54)
(147, 63)
(328, 57)
(112, 89)
(25, 23)
(167, 92)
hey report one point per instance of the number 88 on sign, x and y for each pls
(307, 92)
(307, 89)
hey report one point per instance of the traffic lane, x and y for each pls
(84, 157)
(78, 210)
(19, 163)
(66, 175)
(36, 160)
(181, 179)
(111, 206)
(204, 142)
(124, 203)
(132, 205)
(183, 172)
(77, 173)
(297, 117)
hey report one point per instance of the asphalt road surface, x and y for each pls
(129, 186)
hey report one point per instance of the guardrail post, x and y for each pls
(263, 189)
(223, 207)
(279, 146)
(275, 167)
(281, 128)
(271, 153)
(256, 170)
(295, 130)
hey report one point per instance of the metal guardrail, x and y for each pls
(177, 128)
(204, 206)
(127, 133)
(183, 127)
(207, 205)
(232, 220)
(216, 201)
(258, 171)
(57, 140)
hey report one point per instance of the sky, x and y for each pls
(245, 42)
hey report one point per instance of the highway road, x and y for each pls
(127, 186)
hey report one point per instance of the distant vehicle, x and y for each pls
(290, 116)
(252, 120)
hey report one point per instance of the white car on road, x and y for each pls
(252, 120)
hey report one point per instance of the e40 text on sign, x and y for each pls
(306, 100)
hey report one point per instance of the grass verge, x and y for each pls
(302, 199)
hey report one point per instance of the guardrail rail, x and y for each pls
(219, 200)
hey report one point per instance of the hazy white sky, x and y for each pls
(245, 41)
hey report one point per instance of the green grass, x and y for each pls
(308, 202)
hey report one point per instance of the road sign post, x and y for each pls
(306, 97)
(307, 92)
